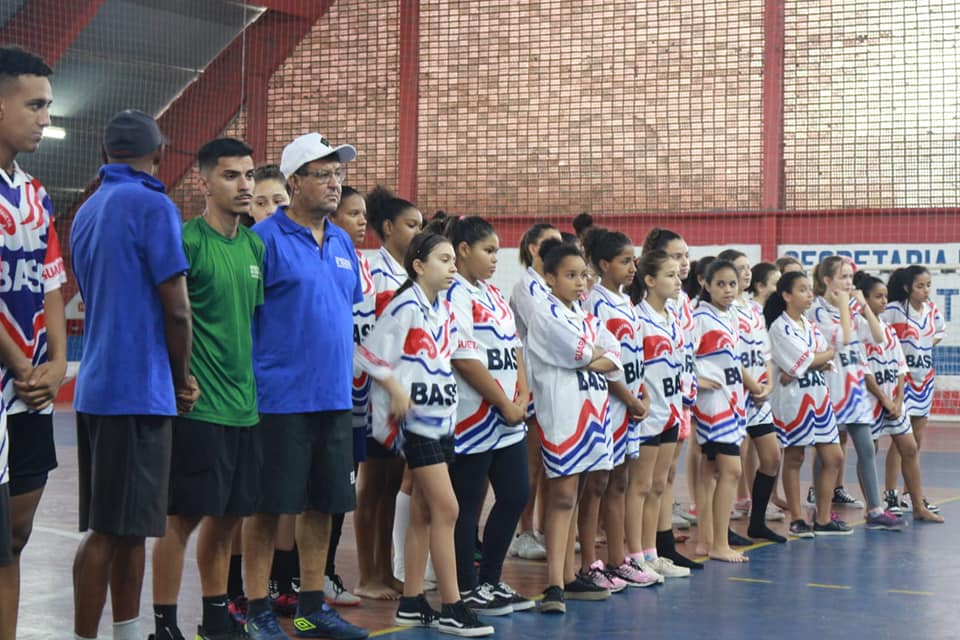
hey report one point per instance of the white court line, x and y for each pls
(73, 535)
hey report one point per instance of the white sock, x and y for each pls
(79, 637)
(127, 630)
(401, 522)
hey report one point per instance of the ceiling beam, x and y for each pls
(49, 27)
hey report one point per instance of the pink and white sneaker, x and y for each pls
(633, 575)
(604, 579)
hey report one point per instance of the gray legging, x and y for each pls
(866, 462)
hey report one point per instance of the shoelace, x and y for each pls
(507, 589)
(337, 583)
(267, 622)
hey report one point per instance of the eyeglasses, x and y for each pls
(324, 176)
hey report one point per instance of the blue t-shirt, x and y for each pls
(303, 331)
(125, 241)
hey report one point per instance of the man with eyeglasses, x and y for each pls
(303, 362)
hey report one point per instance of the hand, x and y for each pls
(708, 384)
(187, 396)
(638, 409)
(40, 387)
(513, 413)
(765, 391)
(785, 379)
(896, 409)
(400, 403)
(858, 296)
(842, 297)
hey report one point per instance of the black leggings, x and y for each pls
(507, 470)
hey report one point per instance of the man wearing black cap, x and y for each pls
(128, 258)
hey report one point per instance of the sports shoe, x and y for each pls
(325, 622)
(285, 604)
(238, 609)
(645, 567)
(229, 635)
(416, 612)
(741, 509)
(633, 576)
(812, 495)
(834, 528)
(553, 600)
(666, 568)
(842, 498)
(176, 634)
(885, 521)
(604, 579)
(734, 539)
(800, 529)
(336, 594)
(457, 620)
(582, 588)
(774, 513)
(892, 500)
(690, 513)
(930, 506)
(527, 547)
(517, 601)
(264, 626)
(483, 602)
(677, 520)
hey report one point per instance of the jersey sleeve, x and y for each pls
(54, 273)
(382, 347)
(789, 351)
(557, 342)
(358, 285)
(611, 351)
(161, 242)
(461, 309)
(939, 326)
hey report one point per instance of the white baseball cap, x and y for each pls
(310, 147)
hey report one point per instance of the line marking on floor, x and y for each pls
(755, 580)
(907, 592)
(383, 632)
(839, 587)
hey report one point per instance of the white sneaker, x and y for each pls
(526, 546)
(646, 567)
(336, 594)
(666, 568)
(774, 513)
(741, 509)
(678, 521)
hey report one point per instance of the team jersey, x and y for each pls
(802, 411)
(32, 267)
(412, 341)
(485, 332)
(684, 308)
(529, 294)
(918, 331)
(620, 318)
(887, 363)
(718, 413)
(363, 318)
(571, 400)
(388, 275)
(845, 380)
(755, 355)
(664, 357)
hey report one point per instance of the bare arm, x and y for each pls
(178, 327)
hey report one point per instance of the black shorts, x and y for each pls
(376, 450)
(423, 452)
(359, 445)
(214, 469)
(32, 451)
(124, 474)
(758, 430)
(6, 550)
(671, 435)
(307, 463)
(713, 449)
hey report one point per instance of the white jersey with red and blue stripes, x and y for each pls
(755, 356)
(918, 332)
(848, 390)
(486, 333)
(364, 316)
(664, 358)
(887, 363)
(388, 275)
(529, 294)
(574, 429)
(684, 308)
(718, 413)
(412, 341)
(619, 316)
(802, 411)
(32, 267)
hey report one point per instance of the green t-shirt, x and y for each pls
(225, 284)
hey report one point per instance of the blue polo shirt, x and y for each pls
(303, 331)
(125, 240)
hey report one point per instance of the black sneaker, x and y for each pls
(932, 508)
(517, 601)
(842, 498)
(892, 501)
(416, 612)
(833, 528)
(229, 635)
(583, 589)
(483, 602)
(812, 495)
(457, 620)
(800, 529)
(734, 539)
(553, 600)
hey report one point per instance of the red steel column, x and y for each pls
(772, 184)
(409, 94)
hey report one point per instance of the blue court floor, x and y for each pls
(868, 585)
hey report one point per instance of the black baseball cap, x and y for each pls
(132, 134)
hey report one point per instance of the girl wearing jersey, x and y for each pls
(664, 350)
(612, 256)
(414, 406)
(846, 324)
(675, 247)
(380, 508)
(800, 401)
(719, 411)
(529, 293)
(490, 438)
(569, 355)
(919, 325)
(885, 382)
(758, 380)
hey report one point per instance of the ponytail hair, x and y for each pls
(602, 244)
(865, 282)
(439, 223)
(698, 268)
(420, 248)
(650, 264)
(582, 222)
(553, 251)
(470, 229)
(759, 273)
(659, 238)
(829, 267)
(901, 282)
(731, 255)
(531, 236)
(785, 261)
(776, 304)
(382, 206)
(711, 271)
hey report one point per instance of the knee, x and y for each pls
(617, 485)
(19, 536)
(562, 501)
(597, 485)
(908, 450)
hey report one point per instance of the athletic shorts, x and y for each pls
(713, 449)
(33, 453)
(423, 452)
(307, 463)
(376, 450)
(670, 436)
(359, 445)
(758, 430)
(6, 550)
(214, 469)
(124, 474)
